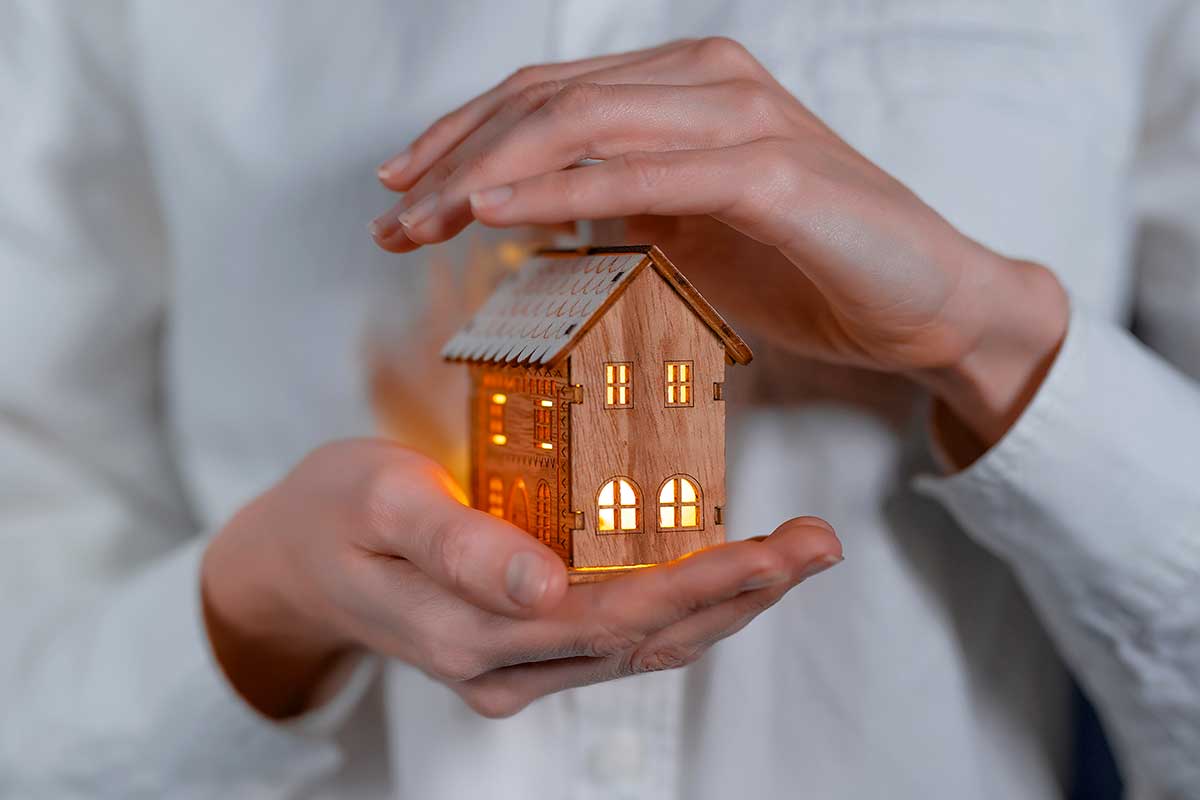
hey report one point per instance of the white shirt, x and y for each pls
(187, 291)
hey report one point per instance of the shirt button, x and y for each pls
(617, 757)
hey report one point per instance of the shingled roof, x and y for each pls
(536, 315)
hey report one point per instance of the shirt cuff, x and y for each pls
(1092, 478)
(209, 735)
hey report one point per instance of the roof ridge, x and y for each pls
(536, 315)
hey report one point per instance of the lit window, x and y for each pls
(618, 384)
(518, 506)
(496, 418)
(495, 496)
(543, 424)
(542, 520)
(679, 504)
(679, 383)
(619, 507)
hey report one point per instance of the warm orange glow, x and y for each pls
(618, 385)
(499, 399)
(617, 568)
(499, 438)
(679, 503)
(618, 506)
(495, 496)
(679, 383)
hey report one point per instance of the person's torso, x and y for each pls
(915, 669)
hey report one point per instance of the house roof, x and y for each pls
(537, 314)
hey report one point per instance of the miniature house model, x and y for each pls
(597, 413)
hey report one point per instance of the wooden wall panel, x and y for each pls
(520, 463)
(648, 326)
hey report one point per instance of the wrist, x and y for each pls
(1021, 315)
(273, 651)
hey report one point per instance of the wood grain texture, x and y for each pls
(649, 442)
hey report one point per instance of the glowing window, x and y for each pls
(679, 504)
(495, 496)
(496, 418)
(543, 424)
(618, 384)
(543, 521)
(619, 506)
(679, 383)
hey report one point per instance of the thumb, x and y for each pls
(481, 558)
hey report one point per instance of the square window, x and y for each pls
(679, 379)
(618, 384)
(543, 423)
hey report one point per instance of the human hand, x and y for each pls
(367, 545)
(862, 272)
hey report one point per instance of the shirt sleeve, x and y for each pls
(1093, 496)
(108, 686)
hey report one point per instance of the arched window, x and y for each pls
(542, 522)
(619, 506)
(518, 506)
(495, 496)
(679, 504)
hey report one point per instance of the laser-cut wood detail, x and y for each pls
(678, 379)
(586, 363)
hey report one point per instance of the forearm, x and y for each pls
(1090, 497)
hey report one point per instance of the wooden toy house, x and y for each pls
(597, 413)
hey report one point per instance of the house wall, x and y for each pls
(647, 326)
(520, 461)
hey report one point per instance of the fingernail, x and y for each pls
(819, 565)
(526, 579)
(384, 226)
(491, 197)
(395, 165)
(418, 213)
(763, 581)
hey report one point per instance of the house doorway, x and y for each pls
(518, 506)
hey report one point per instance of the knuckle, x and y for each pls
(647, 170)
(386, 491)
(663, 657)
(450, 662)
(534, 96)
(724, 51)
(609, 641)
(577, 98)
(450, 549)
(492, 700)
(524, 76)
(755, 102)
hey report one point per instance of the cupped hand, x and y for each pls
(872, 276)
(367, 546)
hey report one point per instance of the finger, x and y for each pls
(406, 168)
(610, 617)
(601, 121)
(685, 63)
(752, 187)
(505, 691)
(688, 62)
(478, 557)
